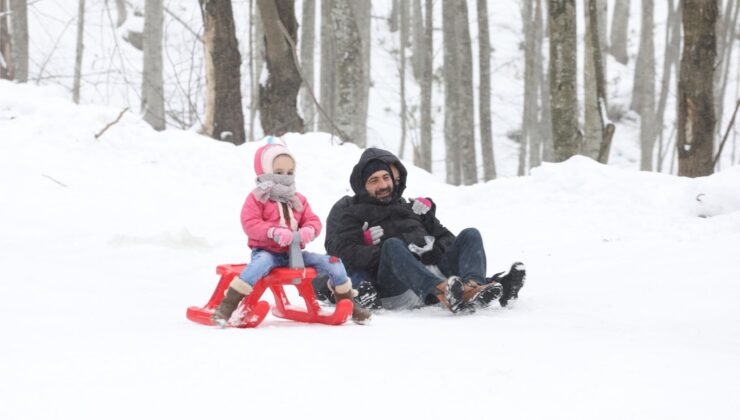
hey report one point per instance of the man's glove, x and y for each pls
(421, 250)
(421, 206)
(281, 235)
(371, 236)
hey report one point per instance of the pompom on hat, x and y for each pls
(266, 154)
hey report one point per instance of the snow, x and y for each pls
(629, 311)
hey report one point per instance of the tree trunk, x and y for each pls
(224, 119)
(672, 47)
(467, 101)
(484, 53)
(78, 52)
(452, 95)
(646, 95)
(393, 17)
(562, 67)
(257, 61)
(695, 88)
(308, 38)
(19, 19)
(121, 11)
(424, 158)
(279, 94)
(593, 127)
(361, 10)
(417, 43)
(620, 27)
(152, 89)
(6, 45)
(328, 54)
(544, 139)
(529, 114)
(404, 35)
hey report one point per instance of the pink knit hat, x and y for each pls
(266, 154)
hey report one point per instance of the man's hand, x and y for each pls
(282, 236)
(421, 250)
(421, 206)
(371, 236)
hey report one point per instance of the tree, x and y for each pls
(308, 38)
(256, 62)
(696, 118)
(644, 98)
(529, 113)
(672, 48)
(620, 25)
(452, 100)
(152, 81)
(279, 94)
(121, 11)
(224, 119)
(19, 19)
(361, 10)
(423, 158)
(403, 36)
(79, 50)
(6, 45)
(541, 144)
(592, 130)
(484, 63)
(562, 68)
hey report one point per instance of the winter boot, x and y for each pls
(481, 295)
(512, 281)
(451, 293)
(237, 290)
(360, 315)
(367, 295)
(321, 289)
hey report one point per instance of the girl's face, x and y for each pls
(283, 165)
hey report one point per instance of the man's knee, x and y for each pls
(470, 234)
(393, 245)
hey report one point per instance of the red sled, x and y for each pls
(252, 311)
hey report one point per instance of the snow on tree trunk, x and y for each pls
(152, 89)
(592, 130)
(696, 118)
(224, 119)
(562, 69)
(308, 39)
(424, 157)
(484, 61)
(279, 93)
(19, 19)
(620, 26)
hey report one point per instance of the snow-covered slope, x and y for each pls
(630, 309)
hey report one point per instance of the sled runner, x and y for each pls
(252, 311)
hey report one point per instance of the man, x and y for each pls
(389, 242)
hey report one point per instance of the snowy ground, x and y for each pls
(630, 310)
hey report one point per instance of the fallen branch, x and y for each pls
(59, 183)
(111, 123)
(727, 132)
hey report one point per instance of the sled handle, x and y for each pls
(295, 256)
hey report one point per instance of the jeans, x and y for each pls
(264, 261)
(400, 271)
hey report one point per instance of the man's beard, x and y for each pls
(388, 198)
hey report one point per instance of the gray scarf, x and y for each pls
(280, 188)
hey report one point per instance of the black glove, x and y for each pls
(431, 257)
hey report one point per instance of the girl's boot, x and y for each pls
(237, 290)
(360, 315)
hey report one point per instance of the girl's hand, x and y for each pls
(307, 234)
(282, 236)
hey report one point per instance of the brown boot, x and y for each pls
(360, 315)
(237, 290)
(480, 295)
(451, 293)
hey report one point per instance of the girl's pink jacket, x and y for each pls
(258, 218)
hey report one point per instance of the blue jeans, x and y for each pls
(400, 271)
(264, 261)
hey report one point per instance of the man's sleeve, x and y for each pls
(344, 240)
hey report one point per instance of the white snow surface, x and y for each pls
(630, 309)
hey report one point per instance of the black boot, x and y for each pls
(367, 295)
(321, 289)
(481, 295)
(512, 281)
(227, 307)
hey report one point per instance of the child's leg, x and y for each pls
(261, 264)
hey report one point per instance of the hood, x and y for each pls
(355, 179)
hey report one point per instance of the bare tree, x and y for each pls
(529, 114)
(121, 11)
(256, 62)
(696, 121)
(279, 94)
(361, 11)
(726, 38)
(543, 139)
(6, 44)
(79, 50)
(224, 119)
(620, 26)
(484, 62)
(308, 39)
(152, 81)
(423, 158)
(562, 68)
(19, 19)
(593, 127)
(645, 60)
(328, 58)
(417, 36)
(672, 49)
(403, 36)
(466, 135)
(452, 94)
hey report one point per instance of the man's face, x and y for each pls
(380, 185)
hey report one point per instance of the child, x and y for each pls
(270, 215)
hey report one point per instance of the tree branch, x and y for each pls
(111, 123)
(727, 132)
